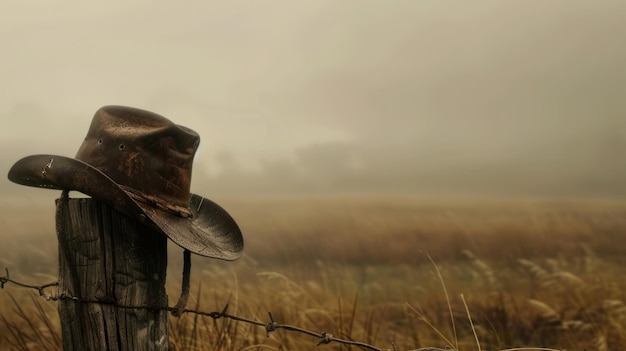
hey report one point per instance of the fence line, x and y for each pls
(323, 337)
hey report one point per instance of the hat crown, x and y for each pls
(142, 151)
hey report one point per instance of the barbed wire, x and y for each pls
(323, 337)
(39, 288)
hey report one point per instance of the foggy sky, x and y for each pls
(420, 97)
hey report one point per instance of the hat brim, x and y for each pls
(210, 231)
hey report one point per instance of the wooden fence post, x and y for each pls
(107, 256)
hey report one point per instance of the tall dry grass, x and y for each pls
(505, 273)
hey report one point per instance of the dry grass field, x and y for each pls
(416, 272)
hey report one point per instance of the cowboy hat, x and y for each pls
(140, 163)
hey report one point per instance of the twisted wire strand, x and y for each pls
(323, 337)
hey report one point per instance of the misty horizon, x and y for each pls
(410, 98)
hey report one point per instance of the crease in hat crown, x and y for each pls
(145, 153)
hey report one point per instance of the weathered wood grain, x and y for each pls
(106, 256)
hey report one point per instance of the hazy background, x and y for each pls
(492, 98)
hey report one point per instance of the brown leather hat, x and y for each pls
(140, 163)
